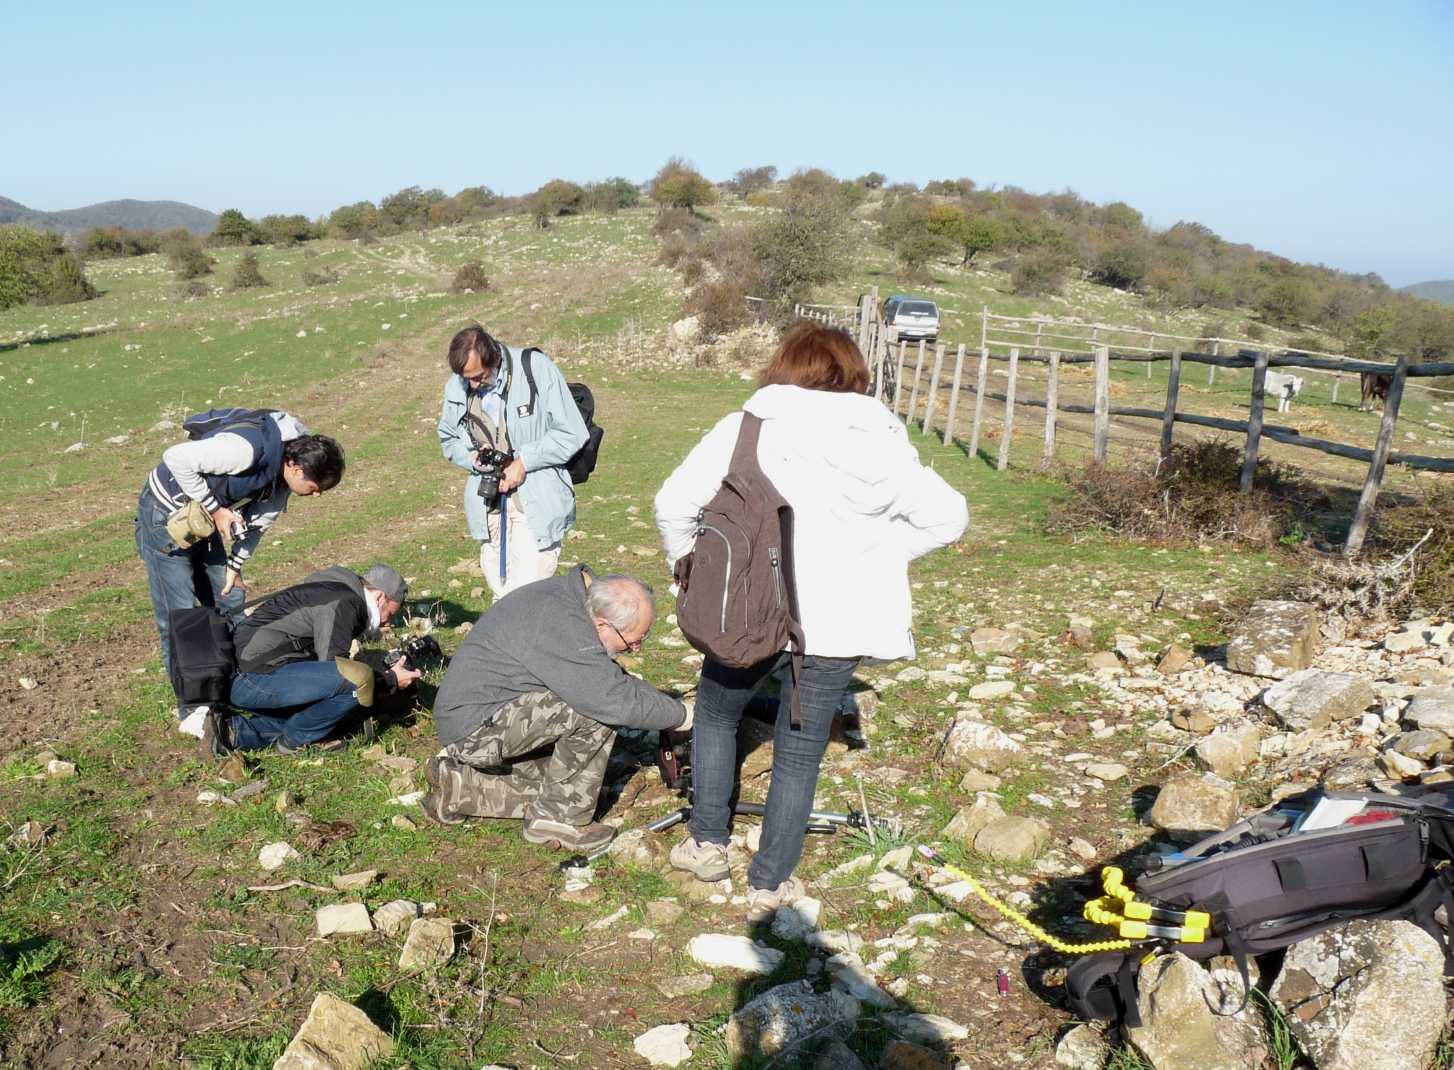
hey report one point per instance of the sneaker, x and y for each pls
(191, 721)
(559, 835)
(216, 738)
(762, 902)
(324, 746)
(705, 861)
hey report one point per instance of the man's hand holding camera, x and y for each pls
(512, 476)
(403, 673)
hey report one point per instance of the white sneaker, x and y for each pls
(191, 724)
(762, 902)
(705, 861)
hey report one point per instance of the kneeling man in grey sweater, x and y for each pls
(530, 705)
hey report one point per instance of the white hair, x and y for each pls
(620, 600)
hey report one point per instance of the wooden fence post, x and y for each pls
(984, 371)
(1168, 418)
(1009, 422)
(954, 396)
(1103, 405)
(1052, 388)
(914, 393)
(984, 328)
(1149, 355)
(1337, 382)
(933, 388)
(1254, 420)
(1369, 498)
(1212, 368)
(899, 378)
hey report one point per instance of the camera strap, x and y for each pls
(504, 532)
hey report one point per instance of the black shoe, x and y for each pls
(216, 741)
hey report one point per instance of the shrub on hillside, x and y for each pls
(288, 229)
(676, 221)
(100, 243)
(806, 244)
(1192, 497)
(470, 278)
(358, 220)
(185, 255)
(193, 288)
(234, 228)
(720, 305)
(246, 275)
(750, 180)
(37, 267)
(679, 185)
(325, 277)
(1039, 272)
(611, 195)
(556, 198)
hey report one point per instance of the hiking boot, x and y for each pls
(705, 861)
(189, 721)
(435, 805)
(216, 740)
(559, 835)
(763, 902)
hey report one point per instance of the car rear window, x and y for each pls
(918, 308)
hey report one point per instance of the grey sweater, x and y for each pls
(542, 638)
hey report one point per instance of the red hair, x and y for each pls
(816, 357)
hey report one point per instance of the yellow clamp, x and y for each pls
(1113, 883)
(1102, 912)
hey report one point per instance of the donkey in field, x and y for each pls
(1375, 388)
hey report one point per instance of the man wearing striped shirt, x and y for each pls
(233, 478)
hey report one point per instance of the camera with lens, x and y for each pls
(490, 463)
(420, 652)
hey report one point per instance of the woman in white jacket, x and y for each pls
(864, 507)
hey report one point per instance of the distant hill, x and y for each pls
(137, 215)
(1441, 291)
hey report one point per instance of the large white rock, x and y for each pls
(782, 1016)
(852, 976)
(982, 746)
(1365, 996)
(666, 1045)
(1313, 697)
(930, 1029)
(274, 855)
(1181, 1027)
(1190, 805)
(1432, 708)
(796, 920)
(430, 943)
(1230, 749)
(721, 951)
(968, 822)
(396, 916)
(335, 1036)
(1274, 639)
(343, 918)
(1012, 839)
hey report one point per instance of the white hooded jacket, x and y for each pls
(863, 507)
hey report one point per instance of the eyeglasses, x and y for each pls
(625, 642)
(482, 379)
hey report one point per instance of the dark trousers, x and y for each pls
(300, 702)
(722, 695)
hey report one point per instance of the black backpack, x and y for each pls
(1267, 882)
(583, 463)
(203, 424)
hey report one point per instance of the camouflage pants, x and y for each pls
(556, 757)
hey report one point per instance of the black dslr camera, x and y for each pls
(420, 652)
(491, 465)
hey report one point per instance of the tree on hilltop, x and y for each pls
(234, 228)
(679, 185)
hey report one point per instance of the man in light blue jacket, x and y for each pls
(489, 406)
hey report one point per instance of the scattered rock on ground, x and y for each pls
(901, 1055)
(274, 855)
(1274, 639)
(430, 943)
(343, 918)
(993, 641)
(666, 1045)
(1107, 771)
(782, 1016)
(926, 1028)
(1312, 698)
(1432, 708)
(1230, 749)
(796, 920)
(395, 916)
(56, 769)
(973, 743)
(663, 912)
(354, 882)
(1365, 996)
(1084, 1047)
(970, 820)
(1190, 805)
(686, 985)
(335, 1036)
(1183, 1026)
(720, 951)
(837, 1055)
(1012, 839)
(1174, 660)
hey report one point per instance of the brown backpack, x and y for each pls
(738, 601)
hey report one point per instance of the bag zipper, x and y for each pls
(777, 578)
(727, 582)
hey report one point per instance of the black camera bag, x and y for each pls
(204, 660)
(583, 463)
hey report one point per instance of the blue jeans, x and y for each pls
(179, 578)
(304, 700)
(722, 695)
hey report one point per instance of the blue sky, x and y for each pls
(1321, 131)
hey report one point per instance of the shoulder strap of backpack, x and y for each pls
(530, 375)
(744, 454)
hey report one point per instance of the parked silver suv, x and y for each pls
(912, 317)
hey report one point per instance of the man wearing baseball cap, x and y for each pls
(295, 680)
